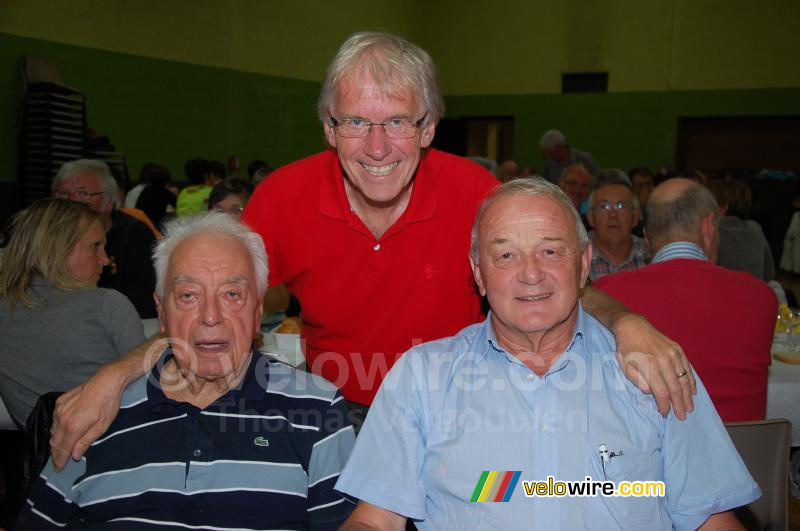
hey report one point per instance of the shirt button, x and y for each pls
(197, 453)
(545, 428)
(377, 247)
(530, 377)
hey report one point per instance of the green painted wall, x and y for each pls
(621, 129)
(172, 80)
(522, 47)
(168, 112)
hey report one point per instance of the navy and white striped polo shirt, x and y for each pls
(266, 455)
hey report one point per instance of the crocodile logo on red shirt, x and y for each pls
(429, 271)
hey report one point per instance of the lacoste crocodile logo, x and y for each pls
(261, 441)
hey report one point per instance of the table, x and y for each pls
(293, 357)
(783, 395)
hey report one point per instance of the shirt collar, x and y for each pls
(577, 345)
(249, 387)
(333, 198)
(674, 250)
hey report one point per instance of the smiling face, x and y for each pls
(378, 170)
(531, 267)
(613, 226)
(87, 259)
(211, 304)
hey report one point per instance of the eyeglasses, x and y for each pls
(608, 206)
(393, 128)
(80, 195)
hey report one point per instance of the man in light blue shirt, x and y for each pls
(535, 389)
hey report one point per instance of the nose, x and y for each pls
(376, 143)
(104, 260)
(210, 314)
(530, 271)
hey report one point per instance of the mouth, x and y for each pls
(534, 298)
(211, 346)
(379, 171)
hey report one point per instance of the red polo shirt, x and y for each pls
(364, 300)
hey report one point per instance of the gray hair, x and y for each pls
(680, 217)
(392, 62)
(70, 170)
(218, 223)
(552, 138)
(530, 186)
(609, 177)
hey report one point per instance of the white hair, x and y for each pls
(530, 186)
(552, 138)
(218, 223)
(70, 170)
(393, 63)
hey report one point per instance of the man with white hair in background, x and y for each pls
(217, 435)
(129, 241)
(559, 155)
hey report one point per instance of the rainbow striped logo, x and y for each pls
(494, 486)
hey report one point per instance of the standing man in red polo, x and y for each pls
(372, 236)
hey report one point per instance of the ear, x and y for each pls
(259, 313)
(427, 134)
(590, 217)
(586, 264)
(330, 134)
(162, 325)
(476, 274)
(709, 233)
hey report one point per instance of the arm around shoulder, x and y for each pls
(725, 521)
(371, 517)
(84, 413)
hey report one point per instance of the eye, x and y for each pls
(505, 257)
(233, 294)
(357, 122)
(186, 296)
(395, 123)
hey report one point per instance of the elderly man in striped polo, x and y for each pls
(216, 435)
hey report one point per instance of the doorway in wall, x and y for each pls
(479, 136)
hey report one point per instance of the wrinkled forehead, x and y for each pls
(541, 215)
(360, 83)
(211, 258)
(84, 178)
(613, 192)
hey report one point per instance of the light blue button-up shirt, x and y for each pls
(453, 408)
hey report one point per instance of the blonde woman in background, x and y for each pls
(57, 327)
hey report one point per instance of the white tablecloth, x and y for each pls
(783, 395)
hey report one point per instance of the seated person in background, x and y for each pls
(576, 181)
(643, 183)
(534, 388)
(57, 327)
(217, 435)
(129, 241)
(507, 170)
(559, 154)
(723, 319)
(203, 175)
(156, 200)
(257, 171)
(742, 244)
(613, 212)
(230, 196)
